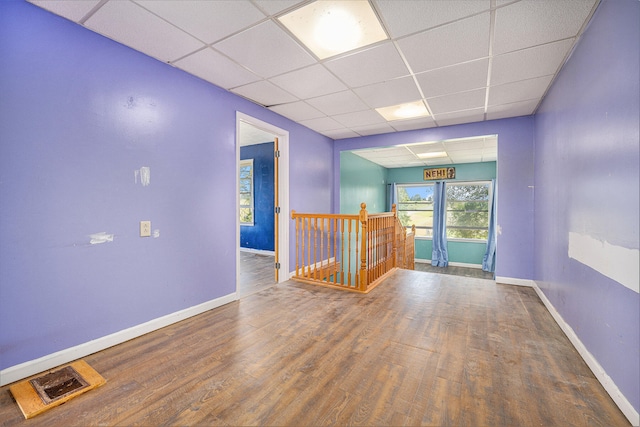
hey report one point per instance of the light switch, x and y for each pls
(145, 228)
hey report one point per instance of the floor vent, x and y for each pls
(54, 388)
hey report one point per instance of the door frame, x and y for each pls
(283, 193)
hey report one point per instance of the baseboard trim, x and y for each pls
(258, 251)
(620, 400)
(451, 263)
(32, 367)
(515, 282)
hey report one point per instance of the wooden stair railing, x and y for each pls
(353, 252)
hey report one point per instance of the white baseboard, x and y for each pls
(451, 263)
(516, 282)
(625, 406)
(258, 251)
(32, 367)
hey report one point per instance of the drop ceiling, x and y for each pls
(468, 60)
(448, 152)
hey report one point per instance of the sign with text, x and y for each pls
(439, 173)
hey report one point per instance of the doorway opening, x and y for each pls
(262, 238)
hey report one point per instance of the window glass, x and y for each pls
(415, 207)
(468, 210)
(246, 192)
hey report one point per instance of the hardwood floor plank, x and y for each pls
(420, 349)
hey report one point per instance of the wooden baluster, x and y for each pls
(342, 243)
(363, 253)
(335, 249)
(308, 272)
(349, 254)
(296, 221)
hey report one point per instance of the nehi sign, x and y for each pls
(439, 173)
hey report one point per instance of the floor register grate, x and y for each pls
(54, 388)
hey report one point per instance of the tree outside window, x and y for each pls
(415, 207)
(246, 192)
(467, 209)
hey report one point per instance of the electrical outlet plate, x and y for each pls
(145, 228)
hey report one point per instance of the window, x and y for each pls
(468, 210)
(415, 207)
(246, 192)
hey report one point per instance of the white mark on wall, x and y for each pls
(156, 233)
(144, 174)
(618, 263)
(499, 230)
(101, 237)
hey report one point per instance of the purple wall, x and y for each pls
(79, 114)
(586, 183)
(514, 257)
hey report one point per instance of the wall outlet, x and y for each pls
(145, 228)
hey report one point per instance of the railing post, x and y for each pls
(363, 248)
(394, 248)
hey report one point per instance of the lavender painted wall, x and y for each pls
(79, 114)
(586, 184)
(515, 181)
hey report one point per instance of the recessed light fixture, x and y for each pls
(331, 27)
(432, 155)
(409, 110)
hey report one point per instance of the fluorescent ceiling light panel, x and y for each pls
(331, 27)
(409, 110)
(432, 155)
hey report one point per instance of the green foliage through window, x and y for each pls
(246, 192)
(415, 207)
(467, 209)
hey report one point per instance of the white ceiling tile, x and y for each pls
(418, 15)
(359, 118)
(273, 7)
(340, 133)
(297, 111)
(519, 91)
(430, 147)
(321, 124)
(411, 124)
(438, 161)
(456, 78)
(309, 82)
(73, 10)
(136, 27)
(458, 117)
(216, 68)
(265, 93)
(461, 146)
(457, 101)
(250, 135)
(266, 50)
(207, 20)
(461, 41)
(376, 129)
(530, 23)
(374, 65)
(528, 63)
(392, 92)
(524, 108)
(338, 103)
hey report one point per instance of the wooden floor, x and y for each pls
(455, 270)
(257, 273)
(420, 349)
